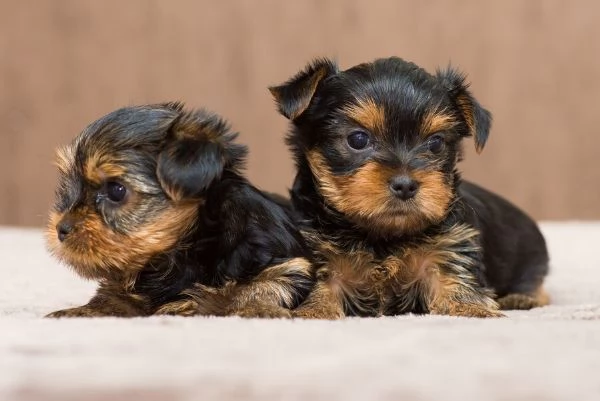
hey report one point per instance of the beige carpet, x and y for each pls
(552, 353)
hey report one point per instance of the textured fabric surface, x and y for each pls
(551, 353)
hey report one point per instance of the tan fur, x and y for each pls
(367, 113)
(95, 251)
(451, 296)
(365, 198)
(273, 285)
(345, 278)
(434, 195)
(185, 307)
(306, 96)
(65, 158)
(270, 294)
(437, 121)
(98, 169)
(111, 300)
(465, 103)
(322, 303)
(525, 301)
(432, 270)
(449, 291)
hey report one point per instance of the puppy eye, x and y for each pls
(435, 144)
(115, 192)
(358, 140)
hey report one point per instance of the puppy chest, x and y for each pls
(399, 282)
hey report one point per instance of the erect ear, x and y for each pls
(293, 97)
(198, 148)
(477, 118)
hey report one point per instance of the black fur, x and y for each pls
(240, 231)
(171, 159)
(514, 251)
(513, 259)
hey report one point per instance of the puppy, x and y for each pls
(392, 227)
(151, 203)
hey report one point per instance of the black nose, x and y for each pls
(63, 229)
(404, 187)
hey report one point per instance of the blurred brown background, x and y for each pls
(535, 64)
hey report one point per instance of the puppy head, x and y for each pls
(131, 185)
(382, 139)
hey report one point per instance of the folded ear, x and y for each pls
(198, 148)
(293, 97)
(477, 118)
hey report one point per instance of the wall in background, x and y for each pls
(535, 64)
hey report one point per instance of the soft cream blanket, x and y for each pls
(551, 353)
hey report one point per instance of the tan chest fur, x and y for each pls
(366, 285)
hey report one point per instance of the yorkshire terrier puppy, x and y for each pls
(392, 227)
(151, 203)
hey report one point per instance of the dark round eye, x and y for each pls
(435, 144)
(358, 140)
(115, 192)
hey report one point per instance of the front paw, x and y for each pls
(186, 307)
(81, 311)
(320, 313)
(264, 312)
(466, 310)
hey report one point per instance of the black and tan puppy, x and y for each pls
(152, 204)
(392, 227)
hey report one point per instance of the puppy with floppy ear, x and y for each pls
(152, 204)
(392, 227)
(477, 119)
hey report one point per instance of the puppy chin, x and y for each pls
(95, 251)
(393, 222)
(79, 257)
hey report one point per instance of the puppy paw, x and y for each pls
(81, 311)
(318, 313)
(524, 301)
(466, 310)
(482, 313)
(264, 312)
(179, 308)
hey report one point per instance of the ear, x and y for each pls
(477, 118)
(198, 149)
(293, 97)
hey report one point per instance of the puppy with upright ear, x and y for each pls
(392, 226)
(152, 204)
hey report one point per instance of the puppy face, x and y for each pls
(131, 185)
(382, 139)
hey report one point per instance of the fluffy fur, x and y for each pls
(393, 228)
(152, 204)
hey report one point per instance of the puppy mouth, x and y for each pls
(399, 207)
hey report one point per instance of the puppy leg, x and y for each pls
(271, 294)
(200, 300)
(453, 290)
(107, 303)
(274, 292)
(322, 303)
(456, 298)
(444, 267)
(526, 290)
(524, 301)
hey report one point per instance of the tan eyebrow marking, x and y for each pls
(367, 113)
(98, 170)
(437, 121)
